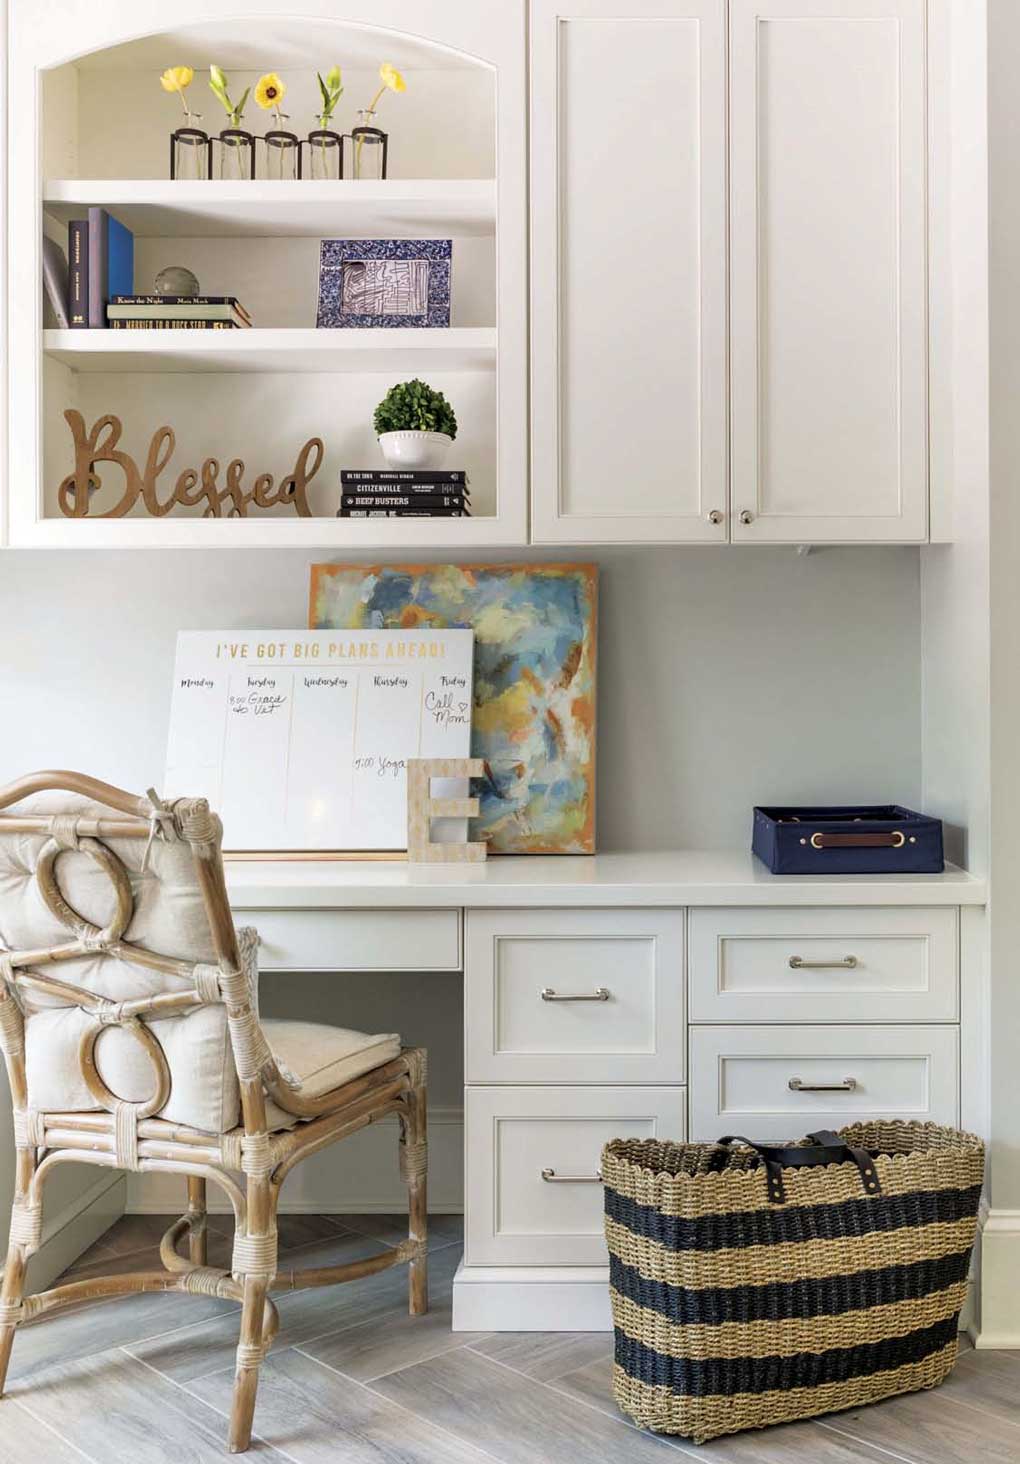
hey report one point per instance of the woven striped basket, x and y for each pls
(747, 1292)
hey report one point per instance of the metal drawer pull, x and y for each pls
(601, 993)
(551, 1177)
(846, 1086)
(798, 963)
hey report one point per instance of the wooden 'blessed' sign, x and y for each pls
(193, 486)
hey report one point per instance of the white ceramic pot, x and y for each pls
(415, 449)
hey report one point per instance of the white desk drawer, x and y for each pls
(823, 965)
(356, 940)
(584, 996)
(784, 1082)
(515, 1216)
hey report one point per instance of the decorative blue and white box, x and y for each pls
(384, 282)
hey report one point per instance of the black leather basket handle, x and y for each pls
(825, 1147)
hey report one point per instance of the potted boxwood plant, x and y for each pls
(415, 425)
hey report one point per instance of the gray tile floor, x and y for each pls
(353, 1380)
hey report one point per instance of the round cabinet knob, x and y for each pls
(746, 516)
(715, 517)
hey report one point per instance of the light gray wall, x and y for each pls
(727, 677)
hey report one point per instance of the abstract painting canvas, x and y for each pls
(534, 680)
(384, 282)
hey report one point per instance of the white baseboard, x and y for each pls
(358, 1175)
(74, 1228)
(998, 1323)
(531, 1299)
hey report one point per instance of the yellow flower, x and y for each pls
(269, 92)
(391, 77)
(176, 78)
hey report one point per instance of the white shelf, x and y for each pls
(304, 350)
(414, 207)
(389, 537)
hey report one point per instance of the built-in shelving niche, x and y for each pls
(260, 394)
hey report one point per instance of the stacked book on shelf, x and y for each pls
(177, 312)
(403, 493)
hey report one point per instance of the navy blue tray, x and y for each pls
(876, 839)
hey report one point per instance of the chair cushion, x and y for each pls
(322, 1057)
(203, 1083)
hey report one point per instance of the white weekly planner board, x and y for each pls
(300, 739)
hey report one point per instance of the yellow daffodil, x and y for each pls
(175, 79)
(391, 77)
(391, 81)
(269, 92)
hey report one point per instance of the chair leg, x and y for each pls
(197, 1234)
(250, 1352)
(25, 1235)
(10, 1304)
(414, 1167)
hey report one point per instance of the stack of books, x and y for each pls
(397, 493)
(177, 312)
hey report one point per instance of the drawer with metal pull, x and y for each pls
(574, 996)
(533, 1193)
(784, 1082)
(891, 964)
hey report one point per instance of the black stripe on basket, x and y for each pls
(780, 1225)
(707, 1377)
(826, 1296)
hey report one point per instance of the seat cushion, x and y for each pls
(322, 1057)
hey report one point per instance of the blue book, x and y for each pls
(111, 263)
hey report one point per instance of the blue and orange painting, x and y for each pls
(534, 680)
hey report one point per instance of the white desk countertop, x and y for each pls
(680, 877)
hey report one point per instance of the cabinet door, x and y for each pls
(628, 270)
(828, 270)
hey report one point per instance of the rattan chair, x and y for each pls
(138, 1059)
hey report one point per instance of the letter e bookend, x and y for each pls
(422, 808)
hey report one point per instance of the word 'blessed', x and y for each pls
(194, 486)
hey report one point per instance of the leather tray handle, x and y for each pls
(826, 1147)
(894, 839)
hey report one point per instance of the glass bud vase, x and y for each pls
(368, 148)
(236, 153)
(190, 151)
(282, 155)
(325, 155)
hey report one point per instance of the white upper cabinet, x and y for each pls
(628, 229)
(828, 309)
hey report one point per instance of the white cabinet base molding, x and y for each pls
(998, 1324)
(531, 1299)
